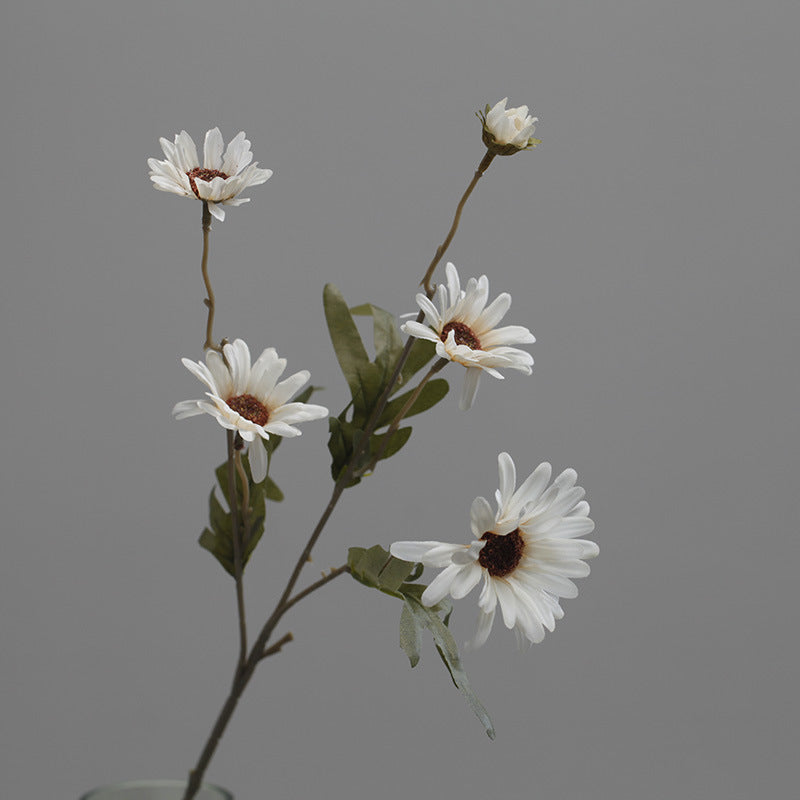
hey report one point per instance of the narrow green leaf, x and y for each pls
(371, 380)
(386, 335)
(219, 518)
(272, 491)
(218, 538)
(448, 652)
(410, 635)
(433, 392)
(347, 344)
(422, 351)
(218, 548)
(397, 440)
(341, 446)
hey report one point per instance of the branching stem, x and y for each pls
(246, 666)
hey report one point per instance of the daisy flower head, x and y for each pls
(248, 399)
(221, 178)
(527, 553)
(463, 328)
(508, 130)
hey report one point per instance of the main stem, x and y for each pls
(246, 668)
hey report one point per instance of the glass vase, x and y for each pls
(155, 790)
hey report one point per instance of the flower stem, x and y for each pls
(238, 569)
(438, 366)
(440, 251)
(209, 301)
(245, 538)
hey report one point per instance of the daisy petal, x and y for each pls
(257, 454)
(212, 150)
(471, 381)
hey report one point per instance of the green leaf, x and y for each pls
(350, 351)
(341, 446)
(272, 491)
(448, 652)
(386, 336)
(218, 537)
(410, 635)
(431, 394)
(397, 440)
(378, 569)
(422, 351)
(218, 548)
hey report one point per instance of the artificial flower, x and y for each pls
(221, 178)
(507, 131)
(526, 552)
(248, 398)
(463, 328)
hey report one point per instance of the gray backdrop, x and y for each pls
(651, 245)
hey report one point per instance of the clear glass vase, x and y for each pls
(154, 790)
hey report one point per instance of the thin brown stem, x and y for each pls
(334, 573)
(440, 251)
(209, 301)
(438, 366)
(278, 646)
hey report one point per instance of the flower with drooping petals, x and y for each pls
(507, 131)
(527, 553)
(248, 398)
(463, 328)
(221, 178)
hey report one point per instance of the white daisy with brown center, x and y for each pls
(463, 328)
(221, 178)
(527, 553)
(248, 399)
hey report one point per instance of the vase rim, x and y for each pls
(165, 783)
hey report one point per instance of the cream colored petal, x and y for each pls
(212, 150)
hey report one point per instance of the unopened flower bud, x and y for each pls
(507, 131)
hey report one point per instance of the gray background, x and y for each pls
(651, 245)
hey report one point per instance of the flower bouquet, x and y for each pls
(526, 549)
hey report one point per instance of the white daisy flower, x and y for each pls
(463, 328)
(507, 131)
(527, 553)
(248, 398)
(221, 178)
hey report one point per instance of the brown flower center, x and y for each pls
(463, 335)
(250, 408)
(502, 553)
(204, 175)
